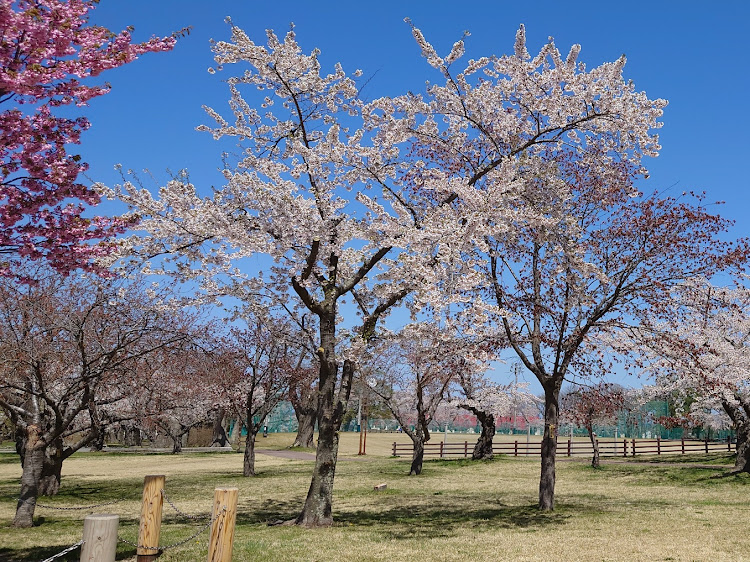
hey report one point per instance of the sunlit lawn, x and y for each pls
(456, 510)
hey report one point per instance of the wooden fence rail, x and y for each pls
(570, 448)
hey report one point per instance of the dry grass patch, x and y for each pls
(456, 510)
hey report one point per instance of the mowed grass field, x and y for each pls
(455, 510)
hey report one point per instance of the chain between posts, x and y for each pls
(64, 552)
(136, 545)
(179, 511)
(180, 543)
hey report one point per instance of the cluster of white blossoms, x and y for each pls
(384, 196)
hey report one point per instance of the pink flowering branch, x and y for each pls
(47, 49)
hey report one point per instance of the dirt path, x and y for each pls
(302, 455)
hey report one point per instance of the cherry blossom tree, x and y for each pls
(418, 365)
(259, 361)
(176, 394)
(586, 406)
(701, 353)
(561, 294)
(48, 49)
(380, 202)
(68, 350)
(488, 401)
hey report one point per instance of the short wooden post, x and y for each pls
(515, 448)
(222, 529)
(466, 449)
(394, 448)
(624, 447)
(683, 444)
(569, 443)
(633, 446)
(441, 448)
(99, 537)
(150, 527)
(729, 443)
(706, 445)
(658, 445)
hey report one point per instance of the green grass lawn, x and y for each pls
(456, 510)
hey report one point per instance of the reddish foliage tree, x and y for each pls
(589, 405)
(47, 49)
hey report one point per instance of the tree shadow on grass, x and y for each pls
(415, 521)
(37, 553)
(425, 521)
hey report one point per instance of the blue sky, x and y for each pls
(692, 53)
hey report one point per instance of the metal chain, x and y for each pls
(180, 543)
(64, 552)
(179, 511)
(67, 508)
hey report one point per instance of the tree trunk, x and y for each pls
(549, 447)
(595, 445)
(175, 434)
(483, 447)
(234, 435)
(219, 437)
(98, 443)
(248, 462)
(417, 456)
(33, 465)
(306, 417)
(742, 461)
(49, 481)
(317, 511)
(131, 437)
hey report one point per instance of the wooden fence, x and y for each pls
(570, 448)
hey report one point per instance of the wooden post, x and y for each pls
(729, 443)
(683, 444)
(624, 447)
(633, 446)
(150, 527)
(394, 448)
(222, 529)
(466, 449)
(706, 445)
(569, 443)
(99, 537)
(515, 448)
(658, 445)
(441, 448)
